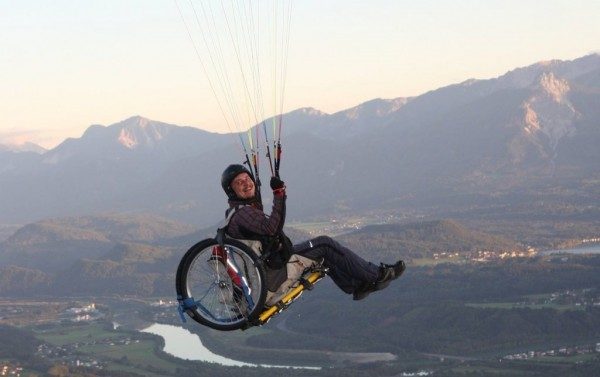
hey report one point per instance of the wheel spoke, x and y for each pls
(227, 285)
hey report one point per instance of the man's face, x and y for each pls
(243, 186)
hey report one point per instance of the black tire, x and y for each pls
(221, 304)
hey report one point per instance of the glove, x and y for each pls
(278, 186)
(276, 183)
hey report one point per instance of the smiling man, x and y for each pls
(350, 273)
(243, 186)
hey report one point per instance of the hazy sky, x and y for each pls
(66, 64)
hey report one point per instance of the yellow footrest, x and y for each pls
(288, 298)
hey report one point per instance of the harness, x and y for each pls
(287, 274)
(274, 251)
(278, 290)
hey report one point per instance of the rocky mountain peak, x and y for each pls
(310, 111)
(513, 131)
(141, 121)
(548, 110)
(525, 77)
(137, 131)
(556, 88)
(378, 108)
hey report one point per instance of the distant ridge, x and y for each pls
(135, 134)
(532, 131)
(423, 239)
(50, 245)
(25, 147)
(78, 266)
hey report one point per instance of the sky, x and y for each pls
(68, 64)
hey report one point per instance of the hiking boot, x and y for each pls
(387, 273)
(363, 291)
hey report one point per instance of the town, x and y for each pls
(9, 369)
(70, 354)
(561, 351)
(484, 255)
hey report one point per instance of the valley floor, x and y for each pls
(101, 335)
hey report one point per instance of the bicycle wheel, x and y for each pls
(226, 284)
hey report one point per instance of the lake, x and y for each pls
(181, 343)
(588, 249)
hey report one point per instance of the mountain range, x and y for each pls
(530, 133)
(119, 254)
(25, 147)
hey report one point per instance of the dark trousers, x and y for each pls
(348, 270)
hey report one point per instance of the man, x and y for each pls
(351, 273)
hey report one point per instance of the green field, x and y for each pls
(333, 228)
(531, 302)
(307, 227)
(142, 354)
(574, 359)
(488, 371)
(432, 262)
(519, 305)
(107, 345)
(62, 336)
(113, 366)
(234, 345)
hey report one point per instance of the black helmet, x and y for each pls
(229, 175)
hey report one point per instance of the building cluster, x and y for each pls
(578, 297)
(561, 351)
(91, 308)
(336, 227)
(591, 240)
(70, 354)
(485, 255)
(163, 310)
(82, 314)
(8, 369)
(164, 303)
(7, 312)
(518, 254)
(419, 373)
(445, 255)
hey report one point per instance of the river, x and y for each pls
(588, 249)
(181, 343)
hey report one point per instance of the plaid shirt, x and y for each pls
(250, 221)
